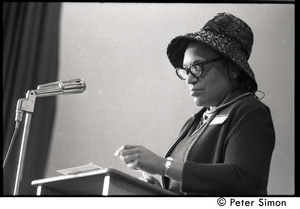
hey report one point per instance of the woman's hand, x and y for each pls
(152, 180)
(140, 158)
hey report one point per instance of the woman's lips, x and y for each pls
(195, 92)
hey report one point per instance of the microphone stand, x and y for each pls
(26, 105)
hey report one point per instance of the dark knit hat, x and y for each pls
(225, 33)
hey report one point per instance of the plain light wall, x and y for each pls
(133, 95)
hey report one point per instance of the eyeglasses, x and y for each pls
(196, 69)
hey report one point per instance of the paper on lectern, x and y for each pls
(79, 169)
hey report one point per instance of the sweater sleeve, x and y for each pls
(248, 148)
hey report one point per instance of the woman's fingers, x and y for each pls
(129, 158)
(132, 165)
(152, 180)
(130, 155)
(127, 149)
(139, 157)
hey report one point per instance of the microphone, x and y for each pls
(27, 104)
(72, 86)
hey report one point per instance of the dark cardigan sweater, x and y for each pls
(231, 157)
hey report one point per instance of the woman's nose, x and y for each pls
(191, 79)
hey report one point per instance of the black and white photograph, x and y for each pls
(109, 99)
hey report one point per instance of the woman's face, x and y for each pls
(213, 85)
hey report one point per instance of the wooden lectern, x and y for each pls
(104, 182)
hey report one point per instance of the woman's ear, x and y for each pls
(233, 71)
(233, 74)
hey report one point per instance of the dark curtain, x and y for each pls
(30, 58)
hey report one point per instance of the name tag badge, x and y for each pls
(219, 119)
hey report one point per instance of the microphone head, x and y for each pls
(72, 86)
